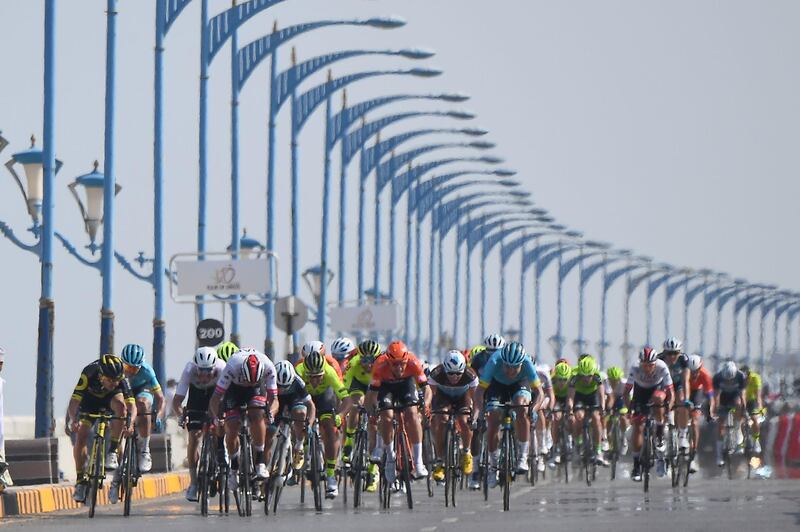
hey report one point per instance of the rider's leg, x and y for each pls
(258, 433)
(118, 407)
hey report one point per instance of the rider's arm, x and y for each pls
(72, 411)
(177, 405)
(213, 404)
(686, 387)
(570, 396)
(311, 410)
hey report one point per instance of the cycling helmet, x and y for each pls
(673, 345)
(285, 373)
(648, 354)
(111, 366)
(252, 369)
(745, 369)
(695, 362)
(475, 350)
(314, 347)
(583, 355)
(133, 355)
(587, 366)
(454, 362)
(493, 342)
(562, 361)
(615, 373)
(314, 363)
(225, 350)
(341, 347)
(728, 370)
(513, 354)
(205, 358)
(562, 371)
(369, 349)
(397, 350)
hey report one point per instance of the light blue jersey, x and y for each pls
(493, 370)
(145, 379)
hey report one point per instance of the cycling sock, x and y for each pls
(494, 457)
(330, 468)
(372, 468)
(235, 461)
(659, 430)
(146, 444)
(112, 448)
(522, 446)
(350, 432)
(192, 475)
(259, 457)
(416, 451)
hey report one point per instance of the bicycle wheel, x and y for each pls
(428, 456)
(613, 443)
(449, 481)
(275, 481)
(505, 469)
(128, 473)
(203, 474)
(96, 471)
(316, 464)
(646, 456)
(564, 442)
(358, 466)
(401, 444)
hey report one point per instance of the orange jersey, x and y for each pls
(382, 371)
(330, 360)
(701, 379)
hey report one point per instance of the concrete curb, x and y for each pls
(51, 498)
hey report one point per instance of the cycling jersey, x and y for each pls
(479, 361)
(232, 374)
(144, 379)
(729, 387)
(660, 377)
(619, 389)
(560, 388)
(676, 369)
(583, 387)
(753, 387)
(493, 370)
(202, 380)
(293, 396)
(356, 372)
(89, 385)
(382, 372)
(330, 380)
(701, 379)
(544, 377)
(330, 360)
(441, 384)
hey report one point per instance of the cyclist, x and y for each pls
(198, 380)
(509, 376)
(729, 393)
(149, 398)
(296, 403)
(225, 350)
(678, 364)
(754, 399)
(701, 387)
(247, 377)
(562, 373)
(101, 387)
(586, 389)
(615, 402)
(650, 381)
(325, 387)
(549, 399)
(343, 349)
(328, 358)
(453, 385)
(395, 377)
(357, 379)
(479, 356)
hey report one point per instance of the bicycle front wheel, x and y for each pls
(96, 472)
(129, 463)
(506, 468)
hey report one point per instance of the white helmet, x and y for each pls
(695, 362)
(341, 347)
(285, 373)
(729, 370)
(205, 357)
(673, 345)
(493, 342)
(454, 362)
(313, 347)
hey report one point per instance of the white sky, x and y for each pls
(666, 127)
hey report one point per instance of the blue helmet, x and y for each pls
(133, 355)
(513, 354)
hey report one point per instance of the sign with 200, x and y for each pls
(210, 332)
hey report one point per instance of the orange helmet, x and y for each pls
(397, 350)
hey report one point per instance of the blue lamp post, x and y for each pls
(742, 298)
(609, 278)
(584, 275)
(716, 287)
(653, 284)
(632, 283)
(725, 294)
(689, 295)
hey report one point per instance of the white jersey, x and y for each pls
(543, 370)
(659, 378)
(619, 389)
(232, 374)
(191, 375)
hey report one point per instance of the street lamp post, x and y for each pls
(654, 284)
(608, 281)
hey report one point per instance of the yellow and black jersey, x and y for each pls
(89, 384)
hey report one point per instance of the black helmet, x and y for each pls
(111, 366)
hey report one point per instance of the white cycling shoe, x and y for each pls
(112, 461)
(145, 461)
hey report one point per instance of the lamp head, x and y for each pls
(573, 234)
(482, 145)
(474, 132)
(504, 173)
(460, 115)
(386, 23)
(453, 97)
(92, 206)
(415, 53)
(508, 182)
(425, 72)
(491, 160)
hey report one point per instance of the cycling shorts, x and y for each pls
(197, 403)
(398, 393)
(91, 404)
(588, 400)
(325, 403)
(642, 396)
(728, 400)
(443, 401)
(497, 394)
(143, 394)
(358, 388)
(239, 396)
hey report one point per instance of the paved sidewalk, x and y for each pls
(54, 497)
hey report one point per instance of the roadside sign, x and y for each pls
(210, 332)
(290, 314)
(366, 318)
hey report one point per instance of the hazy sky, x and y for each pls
(670, 128)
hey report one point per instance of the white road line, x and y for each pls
(449, 519)
(427, 529)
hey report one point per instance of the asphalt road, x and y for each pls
(710, 503)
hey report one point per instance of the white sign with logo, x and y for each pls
(369, 318)
(223, 277)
